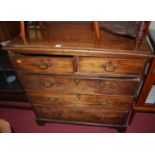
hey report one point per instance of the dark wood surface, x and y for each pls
(82, 115)
(93, 84)
(84, 65)
(80, 85)
(8, 30)
(75, 36)
(81, 100)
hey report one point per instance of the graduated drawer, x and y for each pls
(111, 66)
(43, 65)
(79, 101)
(62, 84)
(83, 115)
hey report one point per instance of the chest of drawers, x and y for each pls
(81, 85)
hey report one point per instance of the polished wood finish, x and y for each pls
(76, 38)
(80, 100)
(82, 115)
(95, 27)
(44, 65)
(129, 28)
(80, 65)
(111, 66)
(68, 79)
(142, 32)
(65, 84)
(22, 32)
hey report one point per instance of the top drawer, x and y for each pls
(82, 65)
(111, 66)
(36, 64)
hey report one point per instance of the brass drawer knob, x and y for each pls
(53, 100)
(54, 114)
(78, 96)
(107, 85)
(105, 102)
(101, 118)
(110, 67)
(48, 84)
(78, 110)
(77, 81)
(41, 64)
(69, 105)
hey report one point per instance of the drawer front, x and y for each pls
(111, 66)
(82, 115)
(81, 101)
(44, 64)
(80, 85)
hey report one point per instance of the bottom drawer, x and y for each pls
(82, 115)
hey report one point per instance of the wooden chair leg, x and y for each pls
(143, 28)
(22, 32)
(95, 27)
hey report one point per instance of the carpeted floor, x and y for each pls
(23, 121)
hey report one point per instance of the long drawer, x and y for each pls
(80, 85)
(111, 66)
(43, 65)
(82, 115)
(95, 102)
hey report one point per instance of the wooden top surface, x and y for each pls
(76, 36)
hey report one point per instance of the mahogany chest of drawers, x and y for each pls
(81, 84)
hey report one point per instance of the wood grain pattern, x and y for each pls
(78, 81)
(44, 64)
(75, 35)
(111, 65)
(82, 115)
(80, 85)
(56, 100)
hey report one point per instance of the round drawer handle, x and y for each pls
(109, 67)
(43, 65)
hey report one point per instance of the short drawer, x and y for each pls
(95, 102)
(82, 115)
(62, 84)
(43, 65)
(111, 66)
